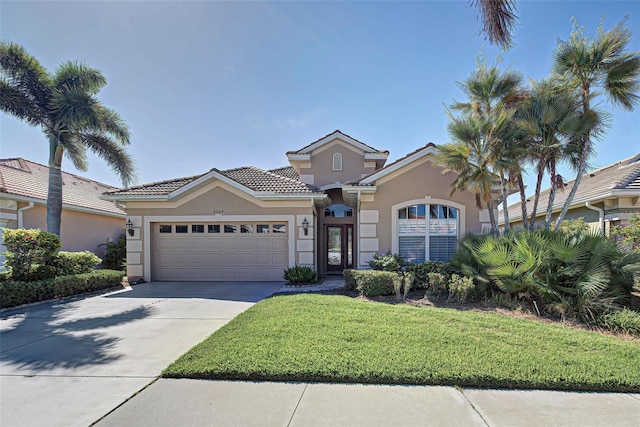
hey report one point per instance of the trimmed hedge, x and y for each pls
(349, 280)
(375, 283)
(67, 263)
(14, 293)
(422, 270)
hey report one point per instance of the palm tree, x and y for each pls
(488, 125)
(65, 106)
(498, 19)
(552, 123)
(602, 63)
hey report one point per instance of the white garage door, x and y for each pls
(219, 251)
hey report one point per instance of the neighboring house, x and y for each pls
(606, 197)
(87, 220)
(332, 209)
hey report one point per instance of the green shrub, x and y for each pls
(579, 275)
(625, 320)
(437, 281)
(402, 284)
(14, 293)
(371, 283)
(87, 282)
(387, 262)
(30, 253)
(349, 280)
(115, 254)
(422, 270)
(299, 274)
(461, 287)
(67, 263)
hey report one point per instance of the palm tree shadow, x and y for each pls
(37, 344)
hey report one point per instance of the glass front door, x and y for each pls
(339, 247)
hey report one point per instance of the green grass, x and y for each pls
(338, 339)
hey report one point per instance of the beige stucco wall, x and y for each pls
(353, 164)
(590, 216)
(79, 231)
(203, 205)
(421, 180)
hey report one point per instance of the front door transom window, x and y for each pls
(338, 211)
(427, 232)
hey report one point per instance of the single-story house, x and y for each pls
(606, 197)
(87, 220)
(333, 208)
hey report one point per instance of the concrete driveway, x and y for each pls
(69, 363)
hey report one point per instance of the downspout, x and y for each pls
(20, 217)
(119, 206)
(357, 233)
(600, 213)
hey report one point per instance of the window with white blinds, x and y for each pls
(441, 232)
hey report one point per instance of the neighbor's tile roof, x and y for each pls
(249, 176)
(621, 175)
(25, 178)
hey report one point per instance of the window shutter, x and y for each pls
(412, 248)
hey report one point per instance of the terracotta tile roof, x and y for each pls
(251, 177)
(25, 178)
(429, 145)
(621, 175)
(372, 150)
(287, 172)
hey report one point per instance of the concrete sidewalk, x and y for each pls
(170, 402)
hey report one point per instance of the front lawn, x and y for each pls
(339, 339)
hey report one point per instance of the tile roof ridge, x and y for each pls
(374, 150)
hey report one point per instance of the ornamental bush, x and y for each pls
(115, 254)
(14, 293)
(349, 280)
(372, 283)
(67, 263)
(299, 274)
(30, 253)
(422, 270)
(387, 262)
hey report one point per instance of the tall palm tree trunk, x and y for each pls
(54, 197)
(523, 201)
(505, 209)
(532, 220)
(552, 192)
(584, 155)
(492, 219)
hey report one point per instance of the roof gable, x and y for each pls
(402, 162)
(337, 134)
(30, 181)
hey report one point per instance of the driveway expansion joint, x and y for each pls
(297, 404)
(461, 391)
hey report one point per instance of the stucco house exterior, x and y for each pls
(606, 197)
(333, 208)
(87, 220)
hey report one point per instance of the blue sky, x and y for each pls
(225, 84)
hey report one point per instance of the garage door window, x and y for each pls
(230, 228)
(182, 229)
(165, 229)
(279, 228)
(262, 228)
(197, 228)
(213, 228)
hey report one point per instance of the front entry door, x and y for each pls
(339, 247)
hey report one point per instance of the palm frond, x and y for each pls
(78, 76)
(498, 20)
(112, 153)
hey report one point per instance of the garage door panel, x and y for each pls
(279, 244)
(218, 256)
(263, 244)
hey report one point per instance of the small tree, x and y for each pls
(30, 254)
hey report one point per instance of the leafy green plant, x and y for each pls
(402, 284)
(572, 226)
(422, 270)
(14, 293)
(461, 287)
(372, 283)
(625, 320)
(349, 280)
(629, 235)
(580, 275)
(115, 254)
(30, 253)
(299, 274)
(67, 263)
(437, 281)
(387, 262)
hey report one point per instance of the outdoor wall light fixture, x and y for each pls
(305, 226)
(129, 226)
